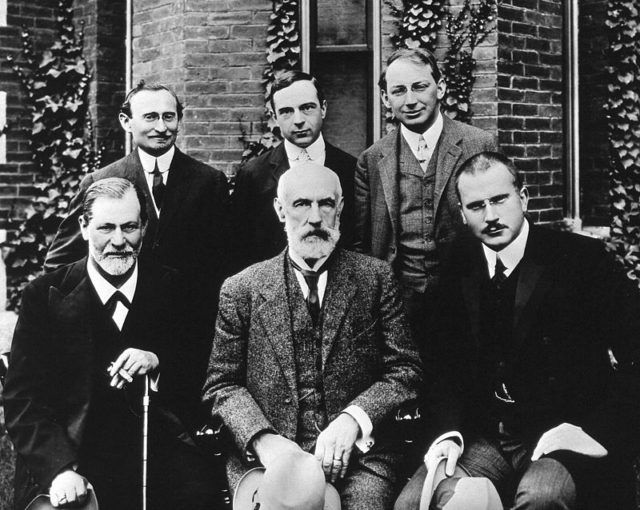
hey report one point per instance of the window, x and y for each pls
(341, 48)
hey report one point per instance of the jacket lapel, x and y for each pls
(278, 162)
(338, 300)
(134, 172)
(448, 154)
(275, 318)
(177, 184)
(471, 282)
(388, 169)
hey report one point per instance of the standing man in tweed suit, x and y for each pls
(312, 352)
(406, 206)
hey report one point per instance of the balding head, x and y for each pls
(309, 204)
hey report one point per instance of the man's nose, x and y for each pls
(117, 238)
(298, 118)
(314, 215)
(410, 97)
(490, 213)
(160, 125)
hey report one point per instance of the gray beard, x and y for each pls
(116, 266)
(313, 247)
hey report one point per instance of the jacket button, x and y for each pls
(546, 340)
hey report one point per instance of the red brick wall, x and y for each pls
(530, 111)
(16, 176)
(213, 54)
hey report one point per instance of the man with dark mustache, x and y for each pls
(406, 205)
(312, 353)
(535, 362)
(86, 336)
(299, 108)
(188, 227)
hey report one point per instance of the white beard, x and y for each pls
(115, 266)
(313, 247)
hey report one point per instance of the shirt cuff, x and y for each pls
(154, 382)
(453, 435)
(365, 442)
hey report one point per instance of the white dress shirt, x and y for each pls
(148, 165)
(105, 290)
(510, 255)
(431, 137)
(316, 152)
(366, 440)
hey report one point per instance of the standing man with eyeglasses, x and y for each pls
(406, 205)
(299, 108)
(188, 228)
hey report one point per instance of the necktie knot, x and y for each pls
(116, 297)
(158, 187)
(303, 155)
(499, 275)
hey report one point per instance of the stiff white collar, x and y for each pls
(430, 136)
(315, 151)
(510, 255)
(105, 290)
(149, 162)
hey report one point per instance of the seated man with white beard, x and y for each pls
(86, 336)
(312, 352)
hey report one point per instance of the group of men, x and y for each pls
(520, 344)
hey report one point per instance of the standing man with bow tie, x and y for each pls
(299, 108)
(187, 207)
(86, 336)
(312, 353)
(406, 207)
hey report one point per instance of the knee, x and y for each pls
(408, 500)
(543, 497)
(468, 493)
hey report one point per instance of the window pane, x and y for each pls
(342, 22)
(344, 80)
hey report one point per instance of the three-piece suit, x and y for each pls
(257, 229)
(261, 378)
(560, 346)
(61, 412)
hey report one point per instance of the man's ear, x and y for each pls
(84, 228)
(125, 122)
(339, 207)
(385, 99)
(464, 218)
(323, 108)
(279, 209)
(524, 198)
(442, 89)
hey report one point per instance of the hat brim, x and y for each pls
(250, 482)
(43, 502)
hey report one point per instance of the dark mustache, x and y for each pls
(493, 226)
(318, 232)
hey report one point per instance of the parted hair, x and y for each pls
(288, 78)
(483, 161)
(112, 187)
(416, 55)
(125, 108)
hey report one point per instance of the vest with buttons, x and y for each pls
(307, 342)
(417, 259)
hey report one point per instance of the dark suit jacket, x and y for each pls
(377, 193)
(571, 306)
(368, 357)
(259, 233)
(52, 371)
(191, 234)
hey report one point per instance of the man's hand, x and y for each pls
(68, 487)
(268, 446)
(130, 363)
(444, 449)
(568, 437)
(335, 444)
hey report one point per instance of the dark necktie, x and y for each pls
(112, 302)
(499, 275)
(158, 186)
(311, 278)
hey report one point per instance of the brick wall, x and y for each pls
(530, 112)
(104, 48)
(16, 176)
(213, 54)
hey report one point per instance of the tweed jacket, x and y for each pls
(259, 233)
(573, 311)
(369, 359)
(377, 193)
(48, 389)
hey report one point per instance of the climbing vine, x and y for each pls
(56, 83)
(623, 24)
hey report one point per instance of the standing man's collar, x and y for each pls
(316, 151)
(431, 135)
(510, 255)
(105, 290)
(164, 161)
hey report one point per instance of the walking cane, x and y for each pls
(145, 432)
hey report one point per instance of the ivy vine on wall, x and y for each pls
(623, 24)
(419, 22)
(55, 82)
